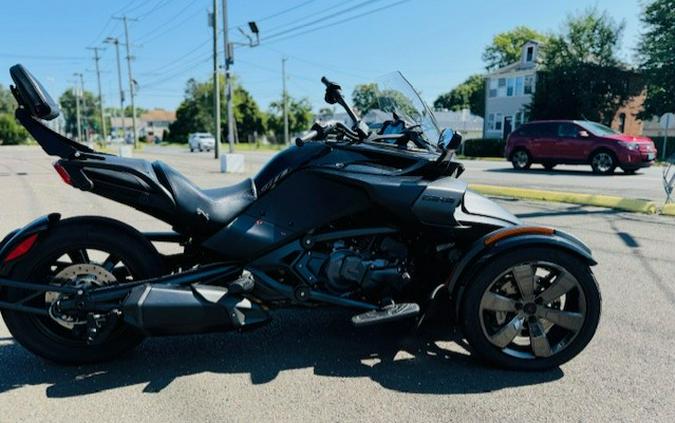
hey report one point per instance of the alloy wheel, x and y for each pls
(521, 159)
(533, 310)
(603, 162)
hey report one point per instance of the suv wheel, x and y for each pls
(520, 159)
(603, 162)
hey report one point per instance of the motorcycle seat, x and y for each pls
(205, 207)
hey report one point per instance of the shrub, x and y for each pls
(11, 133)
(484, 147)
(670, 146)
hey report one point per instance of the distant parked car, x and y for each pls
(578, 142)
(201, 141)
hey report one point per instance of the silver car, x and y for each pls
(201, 141)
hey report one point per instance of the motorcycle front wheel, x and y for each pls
(531, 309)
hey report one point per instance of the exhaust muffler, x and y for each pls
(175, 310)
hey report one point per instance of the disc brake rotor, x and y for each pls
(88, 275)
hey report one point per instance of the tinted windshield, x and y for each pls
(395, 94)
(597, 128)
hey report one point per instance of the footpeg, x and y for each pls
(245, 283)
(388, 314)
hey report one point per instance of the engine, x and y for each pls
(372, 269)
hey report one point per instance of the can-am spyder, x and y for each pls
(371, 218)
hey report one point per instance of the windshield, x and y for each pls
(597, 128)
(395, 94)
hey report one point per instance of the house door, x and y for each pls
(508, 125)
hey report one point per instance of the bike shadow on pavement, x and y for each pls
(392, 356)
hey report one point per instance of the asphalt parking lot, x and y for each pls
(314, 366)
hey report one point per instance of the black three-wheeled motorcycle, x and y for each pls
(367, 217)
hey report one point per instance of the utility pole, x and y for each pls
(77, 110)
(86, 132)
(228, 84)
(285, 100)
(116, 42)
(100, 96)
(126, 20)
(216, 79)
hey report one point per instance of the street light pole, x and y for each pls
(77, 110)
(82, 105)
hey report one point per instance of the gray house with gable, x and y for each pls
(508, 90)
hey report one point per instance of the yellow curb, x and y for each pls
(668, 209)
(621, 203)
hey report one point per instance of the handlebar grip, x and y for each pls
(300, 141)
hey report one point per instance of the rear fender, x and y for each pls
(501, 241)
(11, 241)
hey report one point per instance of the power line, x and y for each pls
(309, 17)
(331, 24)
(165, 24)
(158, 5)
(181, 58)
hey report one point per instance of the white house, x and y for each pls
(508, 90)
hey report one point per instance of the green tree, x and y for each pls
(364, 98)
(657, 57)
(11, 132)
(299, 117)
(7, 102)
(582, 76)
(89, 115)
(470, 94)
(195, 113)
(506, 46)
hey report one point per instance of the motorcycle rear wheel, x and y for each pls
(101, 253)
(531, 309)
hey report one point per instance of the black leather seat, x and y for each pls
(201, 208)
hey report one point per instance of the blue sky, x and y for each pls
(435, 43)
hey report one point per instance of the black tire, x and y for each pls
(603, 162)
(548, 166)
(41, 335)
(521, 159)
(192, 150)
(483, 279)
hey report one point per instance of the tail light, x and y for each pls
(21, 248)
(63, 173)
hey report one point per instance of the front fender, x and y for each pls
(516, 237)
(38, 225)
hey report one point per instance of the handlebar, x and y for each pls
(300, 141)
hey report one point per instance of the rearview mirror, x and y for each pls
(32, 95)
(583, 134)
(449, 139)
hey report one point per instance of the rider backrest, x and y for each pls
(32, 95)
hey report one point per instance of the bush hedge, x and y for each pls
(484, 147)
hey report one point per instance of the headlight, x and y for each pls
(633, 146)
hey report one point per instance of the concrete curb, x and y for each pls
(620, 203)
(668, 209)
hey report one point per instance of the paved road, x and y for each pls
(312, 366)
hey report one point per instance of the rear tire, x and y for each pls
(484, 329)
(46, 338)
(521, 159)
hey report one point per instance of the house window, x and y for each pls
(491, 122)
(510, 86)
(519, 85)
(501, 87)
(498, 121)
(492, 92)
(529, 84)
(518, 120)
(529, 54)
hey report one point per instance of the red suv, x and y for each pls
(578, 142)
